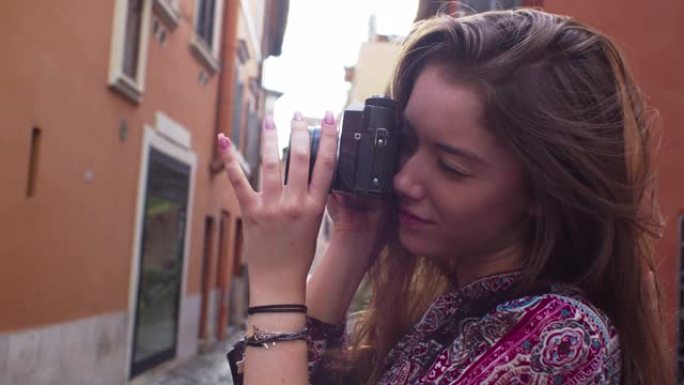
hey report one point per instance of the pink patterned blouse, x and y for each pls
(555, 337)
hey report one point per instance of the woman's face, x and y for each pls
(462, 193)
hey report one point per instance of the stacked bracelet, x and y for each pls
(259, 337)
(285, 308)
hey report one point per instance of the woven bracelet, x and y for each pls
(262, 338)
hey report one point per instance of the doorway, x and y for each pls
(161, 261)
(206, 284)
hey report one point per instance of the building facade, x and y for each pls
(121, 237)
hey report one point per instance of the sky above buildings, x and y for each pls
(322, 37)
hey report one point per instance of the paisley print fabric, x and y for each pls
(321, 336)
(553, 338)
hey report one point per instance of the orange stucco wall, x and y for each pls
(651, 34)
(66, 253)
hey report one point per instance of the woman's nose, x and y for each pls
(407, 183)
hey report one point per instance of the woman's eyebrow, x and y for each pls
(449, 149)
(463, 153)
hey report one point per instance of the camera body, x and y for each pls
(368, 148)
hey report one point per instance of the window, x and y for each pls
(205, 44)
(168, 11)
(236, 133)
(33, 161)
(129, 47)
(205, 21)
(132, 38)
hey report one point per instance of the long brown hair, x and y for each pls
(560, 95)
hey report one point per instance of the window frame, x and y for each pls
(131, 88)
(169, 12)
(208, 55)
(205, 8)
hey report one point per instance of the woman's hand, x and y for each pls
(281, 222)
(360, 220)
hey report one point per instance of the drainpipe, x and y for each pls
(224, 117)
(226, 77)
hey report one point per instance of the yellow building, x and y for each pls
(373, 70)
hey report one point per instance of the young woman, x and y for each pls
(517, 249)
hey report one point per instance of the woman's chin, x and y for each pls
(414, 244)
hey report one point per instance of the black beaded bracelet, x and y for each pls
(283, 308)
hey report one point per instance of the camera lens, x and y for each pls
(315, 135)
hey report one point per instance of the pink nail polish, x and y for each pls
(224, 142)
(298, 116)
(329, 118)
(268, 123)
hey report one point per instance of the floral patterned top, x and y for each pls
(555, 337)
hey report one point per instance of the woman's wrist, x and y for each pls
(338, 275)
(274, 292)
(277, 322)
(353, 252)
(358, 243)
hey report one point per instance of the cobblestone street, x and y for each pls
(208, 368)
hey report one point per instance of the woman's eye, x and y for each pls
(452, 170)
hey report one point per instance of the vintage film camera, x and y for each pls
(368, 148)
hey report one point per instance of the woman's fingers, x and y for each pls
(325, 158)
(243, 191)
(271, 179)
(300, 143)
(298, 172)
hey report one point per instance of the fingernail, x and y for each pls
(329, 118)
(298, 116)
(224, 142)
(268, 123)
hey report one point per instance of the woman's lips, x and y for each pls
(410, 218)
